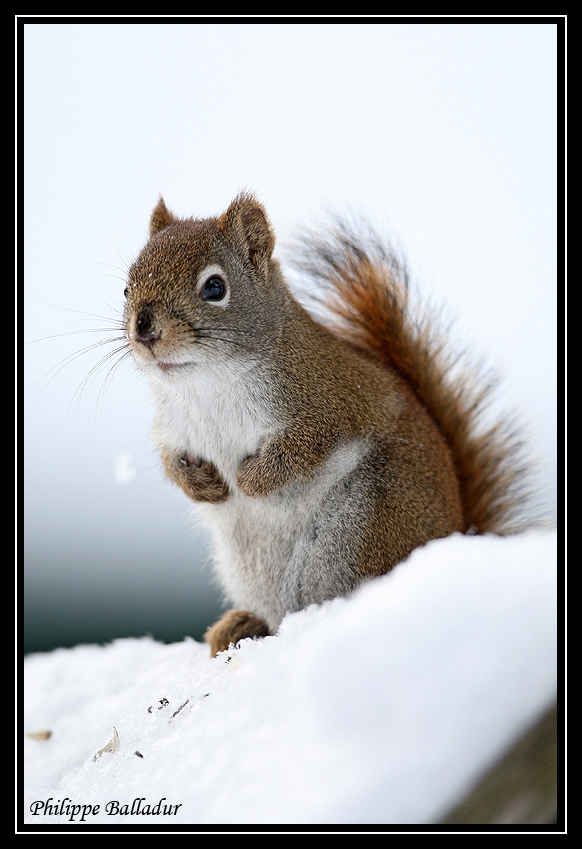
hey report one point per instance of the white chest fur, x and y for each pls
(213, 413)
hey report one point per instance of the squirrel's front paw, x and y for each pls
(275, 464)
(234, 626)
(200, 481)
(251, 478)
(261, 474)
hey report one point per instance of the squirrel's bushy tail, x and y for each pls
(365, 289)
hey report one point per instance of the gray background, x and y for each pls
(445, 135)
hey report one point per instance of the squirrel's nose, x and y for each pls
(145, 330)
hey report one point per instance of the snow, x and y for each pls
(382, 708)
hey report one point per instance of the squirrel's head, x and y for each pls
(202, 287)
(244, 224)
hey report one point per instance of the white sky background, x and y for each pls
(445, 135)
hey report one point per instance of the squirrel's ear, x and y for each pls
(160, 217)
(246, 217)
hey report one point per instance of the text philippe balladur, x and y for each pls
(67, 808)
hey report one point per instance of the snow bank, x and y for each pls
(382, 708)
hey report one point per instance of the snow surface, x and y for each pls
(383, 708)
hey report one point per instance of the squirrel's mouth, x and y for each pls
(171, 366)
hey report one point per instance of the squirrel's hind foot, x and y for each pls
(233, 627)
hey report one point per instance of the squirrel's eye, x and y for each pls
(214, 289)
(126, 292)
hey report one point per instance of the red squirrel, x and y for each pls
(319, 456)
